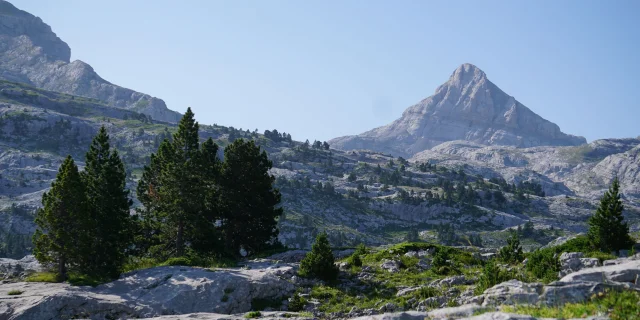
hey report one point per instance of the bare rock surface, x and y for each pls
(151, 292)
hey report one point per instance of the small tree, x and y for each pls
(319, 263)
(607, 229)
(512, 252)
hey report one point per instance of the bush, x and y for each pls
(297, 303)
(544, 265)
(512, 252)
(355, 260)
(43, 277)
(491, 275)
(253, 314)
(15, 292)
(319, 263)
(180, 261)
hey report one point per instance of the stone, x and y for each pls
(148, 293)
(500, 316)
(454, 312)
(388, 307)
(19, 269)
(512, 292)
(454, 281)
(561, 292)
(392, 266)
(624, 272)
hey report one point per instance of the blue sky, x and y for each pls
(322, 69)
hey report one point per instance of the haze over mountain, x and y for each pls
(31, 53)
(466, 107)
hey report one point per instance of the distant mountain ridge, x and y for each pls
(467, 107)
(30, 52)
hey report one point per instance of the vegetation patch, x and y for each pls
(616, 305)
(15, 292)
(253, 314)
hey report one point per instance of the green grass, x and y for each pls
(15, 292)
(43, 277)
(616, 305)
(74, 279)
(253, 314)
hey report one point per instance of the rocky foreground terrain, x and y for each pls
(266, 285)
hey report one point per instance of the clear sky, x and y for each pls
(322, 69)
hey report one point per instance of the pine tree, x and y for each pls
(250, 201)
(512, 252)
(205, 235)
(607, 230)
(61, 223)
(104, 178)
(319, 263)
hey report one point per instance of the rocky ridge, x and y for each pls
(31, 53)
(467, 107)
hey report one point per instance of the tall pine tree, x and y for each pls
(61, 224)
(607, 230)
(249, 199)
(108, 209)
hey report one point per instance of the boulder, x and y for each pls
(560, 292)
(150, 292)
(624, 272)
(454, 281)
(19, 269)
(512, 292)
(454, 312)
(392, 266)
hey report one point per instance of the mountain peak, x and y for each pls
(467, 107)
(466, 73)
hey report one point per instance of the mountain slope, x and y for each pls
(467, 107)
(31, 53)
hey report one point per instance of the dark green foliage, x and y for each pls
(356, 258)
(110, 225)
(297, 303)
(512, 252)
(249, 200)
(319, 263)
(607, 230)
(180, 194)
(352, 177)
(491, 275)
(61, 223)
(544, 265)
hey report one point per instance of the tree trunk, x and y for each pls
(180, 240)
(62, 268)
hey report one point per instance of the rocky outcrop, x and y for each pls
(467, 107)
(19, 269)
(512, 292)
(573, 262)
(31, 53)
(151, 292)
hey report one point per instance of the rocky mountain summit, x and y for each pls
(31, 53)
(467, 107)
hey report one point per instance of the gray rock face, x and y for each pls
(624, 272)
(573, 262)
(512, 292)
(19, 269)
(392, 266)
(31, 53)
(150, 292)
(467, 107)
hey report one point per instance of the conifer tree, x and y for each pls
(607, 230)
(250, 201)
(319, 263)
(61, 223)
(110, 230)
(205, 235)
(512, 252)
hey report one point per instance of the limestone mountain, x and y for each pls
(30, 52)
(467, 107)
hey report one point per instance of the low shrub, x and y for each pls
(491, 275)
(297, 303)
(15, 292)
(253, 314)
